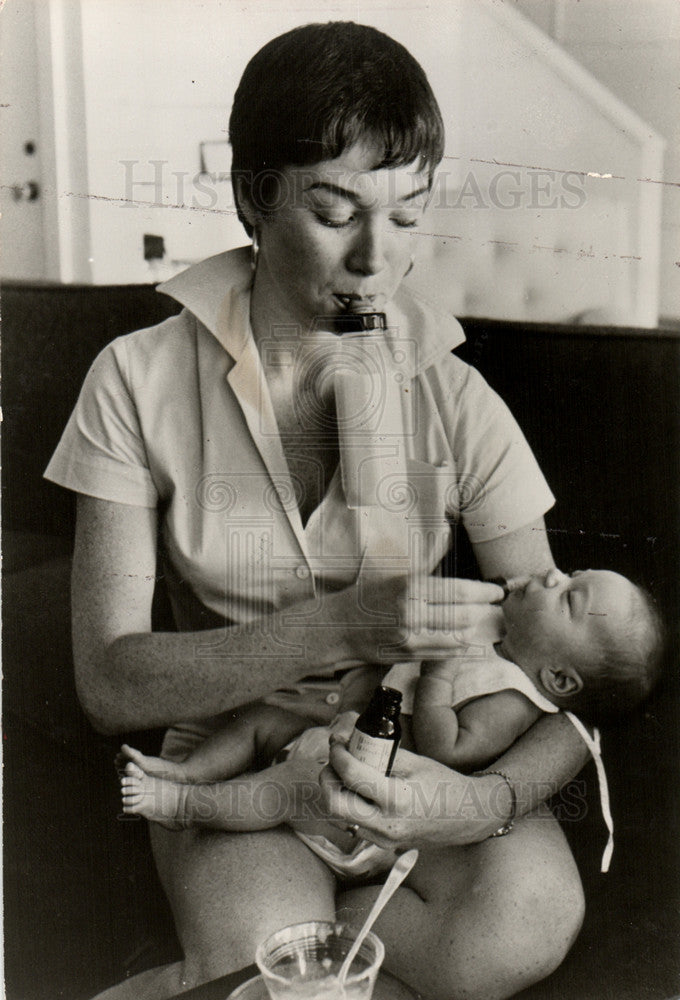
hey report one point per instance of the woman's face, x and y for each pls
(342, 237)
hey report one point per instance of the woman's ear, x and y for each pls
(561, 682)
(245, 207)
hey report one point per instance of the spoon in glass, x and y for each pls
(400, 869)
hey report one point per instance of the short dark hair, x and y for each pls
(315, 91)
(624, 671)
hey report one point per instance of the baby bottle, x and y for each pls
(369, 386)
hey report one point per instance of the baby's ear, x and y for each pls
(561, 682)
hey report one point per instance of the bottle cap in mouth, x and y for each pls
(348, 322)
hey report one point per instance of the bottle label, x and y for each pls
(372, 750)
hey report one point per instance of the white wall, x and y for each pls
(159, 76)
(633, 47)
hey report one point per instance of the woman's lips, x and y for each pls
(356, 303)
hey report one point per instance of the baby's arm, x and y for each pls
(475, 735)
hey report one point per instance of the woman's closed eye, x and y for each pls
(405, 222)
(335, 222)
(342, 221)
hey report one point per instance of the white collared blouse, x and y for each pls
(178, 416)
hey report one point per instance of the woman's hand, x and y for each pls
(411, 618)
(422, 803)
(289, 792)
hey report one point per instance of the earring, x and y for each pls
(254, 251)
(410, 266)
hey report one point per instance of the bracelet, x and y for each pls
(504, 830)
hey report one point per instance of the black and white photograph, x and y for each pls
(340, 402)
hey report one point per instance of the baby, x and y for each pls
(589, 643)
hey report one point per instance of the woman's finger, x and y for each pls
(452, 590)
(388, 794)
(457, 617)
(344, 805)
(342, 726)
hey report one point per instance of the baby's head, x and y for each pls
(591, 642)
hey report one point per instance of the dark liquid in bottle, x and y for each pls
(377, 732)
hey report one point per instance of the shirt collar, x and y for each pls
(217, 292)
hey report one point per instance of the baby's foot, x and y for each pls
(155, 798)
(155, 767)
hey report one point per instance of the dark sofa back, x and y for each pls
(51, 335)
(600, 408)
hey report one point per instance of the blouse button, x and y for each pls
(333, 698)
(302, 572)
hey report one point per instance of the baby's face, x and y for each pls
(559, 618)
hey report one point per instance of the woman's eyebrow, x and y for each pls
(353, 196)
(333, 189)
(414, 194)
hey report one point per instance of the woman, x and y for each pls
(216, 431)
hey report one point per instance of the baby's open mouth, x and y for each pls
(517, 585)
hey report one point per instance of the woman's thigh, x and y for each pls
(229, 891)
(486, 920)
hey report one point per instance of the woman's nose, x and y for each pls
(367, 254)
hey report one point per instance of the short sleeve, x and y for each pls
(500, 485)
(101, 452)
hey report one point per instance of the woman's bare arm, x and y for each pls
(518, 553)
(130, 678)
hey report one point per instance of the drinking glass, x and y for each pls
(302, 962)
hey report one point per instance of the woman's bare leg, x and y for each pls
(153, 984)
(229, 891)
(485, 921)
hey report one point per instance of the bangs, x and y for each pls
(398, 140)
(378, 95)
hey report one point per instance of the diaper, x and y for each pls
(365, 859)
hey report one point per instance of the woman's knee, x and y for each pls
(523, 942)
(512, 923)
(534, 924)
(550, 908)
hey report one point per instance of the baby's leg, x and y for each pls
(246, 803)
(249, 738)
